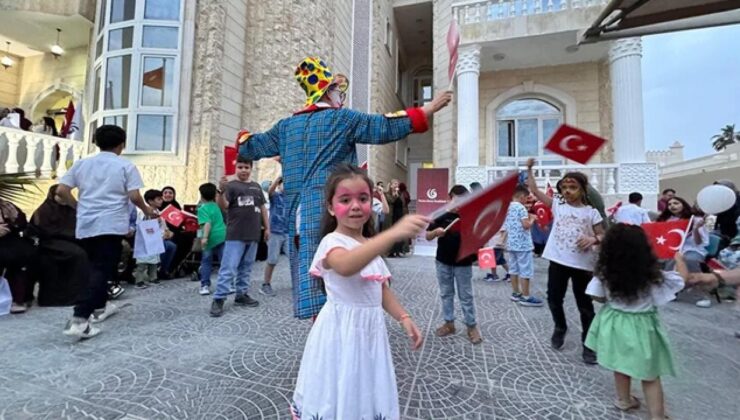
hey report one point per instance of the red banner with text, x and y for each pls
(432, 186)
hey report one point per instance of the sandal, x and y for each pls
(633, 404)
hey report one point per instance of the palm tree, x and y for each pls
(17, 187)
(726, 138)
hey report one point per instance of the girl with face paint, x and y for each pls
(338, 362)
(577, 228)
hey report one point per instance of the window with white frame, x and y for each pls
(523, 126)
(136, 71)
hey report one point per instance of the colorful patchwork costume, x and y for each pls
(310, 144)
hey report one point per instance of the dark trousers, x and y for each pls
(63, 270)
(103, 253)
(16, 257)
(557, 285)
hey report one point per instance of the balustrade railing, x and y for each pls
(603, 177)
(44, 155)
(477, 11)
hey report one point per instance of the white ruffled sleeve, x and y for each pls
(328, 244)
(666, 291)
(376, 271)
(596, 288)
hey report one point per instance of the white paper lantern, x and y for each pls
(715, 199)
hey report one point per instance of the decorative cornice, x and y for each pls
(469, 59)
(625, 47)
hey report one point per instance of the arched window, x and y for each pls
(137, 63)
(523, 126)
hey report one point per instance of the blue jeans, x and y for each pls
(206, 263)
(167, 256)
(236, 263)
(448, 276)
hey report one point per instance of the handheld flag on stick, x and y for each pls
(453, 41)
(574, 144)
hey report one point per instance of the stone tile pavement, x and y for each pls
(163, 357)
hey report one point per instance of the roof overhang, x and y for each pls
(629, 18)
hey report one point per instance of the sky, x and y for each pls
(691, 87)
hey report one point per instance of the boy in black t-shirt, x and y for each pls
(244, 203)
(451, 272)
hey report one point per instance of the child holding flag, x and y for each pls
(520, 248)
(577, 228)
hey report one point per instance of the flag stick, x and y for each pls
(688, 228)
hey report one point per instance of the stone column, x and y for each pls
(468, 70)
(625, 57)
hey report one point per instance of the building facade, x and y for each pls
(182, 77)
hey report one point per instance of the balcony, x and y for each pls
(479, 11)
(28, 152)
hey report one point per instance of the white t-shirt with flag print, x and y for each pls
(570, 224)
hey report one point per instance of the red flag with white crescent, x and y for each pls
(230, 160)
(486, 258)
(574, 144)
(172, 215)
(453, 41)
(666, 238)
(543, 213)
(483, 213)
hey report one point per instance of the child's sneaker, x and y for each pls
(245, 300)
(516, 297)
(217, 307)
(491, 277)
(80, 329)
(204, 290)
(530, 301)
(141, 285)
(101, 315)
(115, 291)
(266, 289)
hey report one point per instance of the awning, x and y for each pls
(628, 18)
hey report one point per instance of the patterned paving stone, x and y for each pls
(163, 357)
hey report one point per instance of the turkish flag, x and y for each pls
(229, 160)
(482, 214)
(154, 78)
(666, 238)
(453, 41)
(191, 224)
(550, 193)
(574, 144)
(486, 258)
(543, 213)
(172, 215)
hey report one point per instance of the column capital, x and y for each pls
(625, 47)
(469, 59)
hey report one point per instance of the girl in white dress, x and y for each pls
(347, 371)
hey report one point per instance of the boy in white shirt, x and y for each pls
(106, 182)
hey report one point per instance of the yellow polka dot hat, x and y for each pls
(315, 77)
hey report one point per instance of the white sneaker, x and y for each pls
(204, 290)
(100, 316)
(704, 303)
(80, 329)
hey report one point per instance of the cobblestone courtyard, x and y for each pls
(163, 357)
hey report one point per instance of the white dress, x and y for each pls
(347, 370)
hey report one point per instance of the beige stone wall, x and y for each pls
(279, 34)
(383, 91)
(43, 73)
(85, 8)
(10, 82)
(581, 81)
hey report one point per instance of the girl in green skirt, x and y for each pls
(627, 334)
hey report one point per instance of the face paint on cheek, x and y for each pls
(341, 210)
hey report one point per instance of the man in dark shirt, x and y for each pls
(451, 273)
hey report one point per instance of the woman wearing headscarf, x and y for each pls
(25, 122)
(398, 208)
(16, 255)
(63, 265)
(181, 238)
